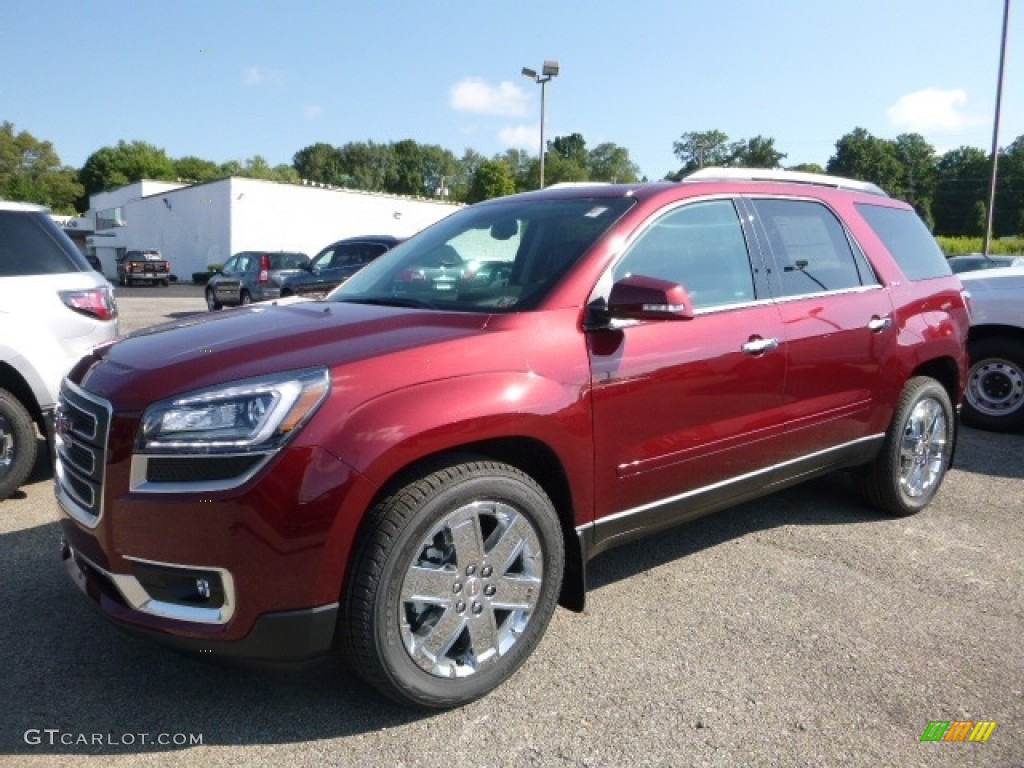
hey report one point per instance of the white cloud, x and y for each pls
(472, 94)
(520, 137)
(312, 112)
(930, 111)
(257, 76)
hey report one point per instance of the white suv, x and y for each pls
(53, 309)
(995, 385)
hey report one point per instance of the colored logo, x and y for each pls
(958, 730)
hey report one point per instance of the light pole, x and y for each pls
(550, 70)
(995, 136)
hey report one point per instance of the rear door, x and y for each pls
(837, 319)
(687, 412)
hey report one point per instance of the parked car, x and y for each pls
(995, 384)
(335, 264)
(970, 262)
(423, 477)
(252, 276)
(143, 266)
(53, 308)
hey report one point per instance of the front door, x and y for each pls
(687, 413)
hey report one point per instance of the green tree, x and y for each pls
(700, 149)
(558, 168)
(961, 186)
(525, 168)
(610, 162)
(1008, 217)
(366, 166)
(758, 152)
(572, 147)
(30, 170)
(492, 178)
(125, 163)
(806, 168)
(920, 174)
(859, 155)
(319, 162)
(192, 168)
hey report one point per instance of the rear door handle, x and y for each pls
(758, 345)
(877, 323)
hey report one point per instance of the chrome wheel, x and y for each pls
(471, 590)
(907, 471)
(923, 449)
(453, 581)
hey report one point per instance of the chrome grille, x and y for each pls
(82, 428)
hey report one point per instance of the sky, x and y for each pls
(228, 80)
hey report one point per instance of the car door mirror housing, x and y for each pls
(638, 297)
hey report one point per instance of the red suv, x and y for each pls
(419, 471)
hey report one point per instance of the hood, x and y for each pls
(210, 349)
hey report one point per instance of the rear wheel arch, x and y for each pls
(945, 371)
(16, 384)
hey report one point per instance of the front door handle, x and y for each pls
(877, 323)
(758, 345)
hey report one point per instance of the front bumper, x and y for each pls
(293, 636)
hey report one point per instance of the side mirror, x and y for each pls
(638, 297)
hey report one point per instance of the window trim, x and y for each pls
(758, 265)
(771, 259)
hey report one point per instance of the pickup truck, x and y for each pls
(145, 266)
(994, 399)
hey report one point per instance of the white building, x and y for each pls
(194, 225)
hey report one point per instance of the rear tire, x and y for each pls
(17, 444)
(995, 385)
(245, 299)
(907, 472)
(452, 584)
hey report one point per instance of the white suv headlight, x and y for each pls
(254, 414)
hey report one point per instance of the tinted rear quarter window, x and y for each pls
(908, 241)
(31, 244)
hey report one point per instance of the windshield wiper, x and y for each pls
(391, 301)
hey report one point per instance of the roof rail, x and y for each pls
(793, 177)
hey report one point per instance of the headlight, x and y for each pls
(253, 414)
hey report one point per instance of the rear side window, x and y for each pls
(287, 260)
(908, 240)
(810, 247)
(31, 244)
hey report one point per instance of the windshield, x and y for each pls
(502, 256)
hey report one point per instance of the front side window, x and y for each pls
(699, 246)
(504, 255)
(811, 250)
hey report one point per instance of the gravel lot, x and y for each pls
(799, 630)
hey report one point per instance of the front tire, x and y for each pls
(245, 299)
(452, 584)
(17, 444)
(994, 399)
(907, 472)
(211, 300)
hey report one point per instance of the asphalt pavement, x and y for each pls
(798, 630)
